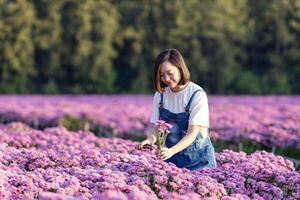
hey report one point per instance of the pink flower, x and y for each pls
(163, 128)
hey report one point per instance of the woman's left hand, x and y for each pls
(166, 153)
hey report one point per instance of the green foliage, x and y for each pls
(93, 46)
(249, 146)
(16, 46)
(247, 83)
(76, 36)
(74, 124)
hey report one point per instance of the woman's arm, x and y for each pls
(186, 141)
(152, 134)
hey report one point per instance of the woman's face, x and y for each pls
(169, 74)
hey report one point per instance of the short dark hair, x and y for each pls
(175, 58)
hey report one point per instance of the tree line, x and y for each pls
(109, 46)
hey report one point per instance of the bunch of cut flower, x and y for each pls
(163, 130)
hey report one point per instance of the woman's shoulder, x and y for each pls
(195, 87)
(156, 94)
(198, 91)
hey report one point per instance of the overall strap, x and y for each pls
(187, 108)
(161, 103)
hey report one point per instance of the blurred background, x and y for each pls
(109, 46)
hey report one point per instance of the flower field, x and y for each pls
(59, 164)
(266, 123)
(78, 147)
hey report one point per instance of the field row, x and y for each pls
(56, 163)
(266, 121)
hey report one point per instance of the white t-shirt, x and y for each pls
(176, 102)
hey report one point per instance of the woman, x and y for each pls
(183, 104)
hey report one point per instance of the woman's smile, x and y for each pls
(169, 74)
(170, 83)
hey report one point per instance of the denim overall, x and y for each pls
(200, 154)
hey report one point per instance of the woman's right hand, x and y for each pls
(148, 142)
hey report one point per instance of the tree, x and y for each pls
(73, 43)
(269, 45)
(16, 46)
